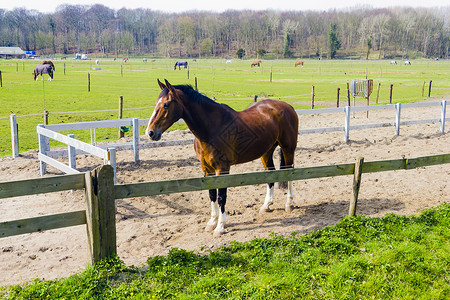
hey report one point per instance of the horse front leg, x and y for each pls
(212, 223)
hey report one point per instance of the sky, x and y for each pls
(49, 6)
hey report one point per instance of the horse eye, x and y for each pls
(166, 105)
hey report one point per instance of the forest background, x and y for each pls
(357, 33)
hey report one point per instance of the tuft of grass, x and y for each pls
(391, 257)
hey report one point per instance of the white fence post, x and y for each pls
(347, 123)
(398, 108)
(112, 161)
(444, 107)
(135, 139)
(14, 135)
(42, 149)
(71, 153)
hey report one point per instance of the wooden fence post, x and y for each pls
(429, 89)
(337, 97)
(390, 94)
(45, 117)
(100, 213)
(255, 99)
(89, 82)
(356, 186)
(378, 92)
(196, 88)
(121, 133)
(64, 68)
(1, 80)
(348, 94)
(423, 88)
(312, 98)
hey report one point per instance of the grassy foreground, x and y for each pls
(70, 97)
(393, 257)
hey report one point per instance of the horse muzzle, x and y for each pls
(154, 135)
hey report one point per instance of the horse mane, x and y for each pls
(194, 95)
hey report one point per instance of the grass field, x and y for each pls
(67, 98)
(394, 257)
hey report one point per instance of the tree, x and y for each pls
(240, 53)
(369, 46)
(333, 42)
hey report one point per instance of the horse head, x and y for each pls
(168, 110)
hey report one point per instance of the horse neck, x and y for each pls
(204, 118)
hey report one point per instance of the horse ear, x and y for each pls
(169, 86)
(161, 85)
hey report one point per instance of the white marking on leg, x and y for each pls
(268, 200)
(290, 198)
(212, 223)
(220, 229)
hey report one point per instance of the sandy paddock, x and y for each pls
(149, 226)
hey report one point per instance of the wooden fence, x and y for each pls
(101, 193)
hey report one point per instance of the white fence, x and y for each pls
(108, 152)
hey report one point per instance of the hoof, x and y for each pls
(288, 208)
(264, 209)
(210, 228)
(218, 233)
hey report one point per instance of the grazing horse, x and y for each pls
(43, 69)
(225, 137)
(393, 62)
(255, 64)
(49, 62)
(180, 63)
(407, 62)
(298, 63)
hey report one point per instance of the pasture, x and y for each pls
(151, 226)
(70, 97)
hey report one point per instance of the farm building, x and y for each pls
(8, 52)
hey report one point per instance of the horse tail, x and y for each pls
(283, 184)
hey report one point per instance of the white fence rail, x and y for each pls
(108, 152)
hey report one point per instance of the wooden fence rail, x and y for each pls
(101, 193)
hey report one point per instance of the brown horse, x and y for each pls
(225, 137)
(255, 64)
(49, 62)
(298, 63)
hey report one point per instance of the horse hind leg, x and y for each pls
(287, 161)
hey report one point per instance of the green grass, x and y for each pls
(393, 257)
(68, 100)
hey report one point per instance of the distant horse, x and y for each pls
(407, 62)
(298, 63)
(180, 63)
(43, 69)
(393, 62)
(255, 64)
(225, 137)
(49, 62)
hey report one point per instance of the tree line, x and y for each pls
(359, 32)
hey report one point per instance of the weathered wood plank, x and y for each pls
(231, 180)
(38, 224)
(41, 185)
(101, 213)
(356, 186)
(428, 161)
